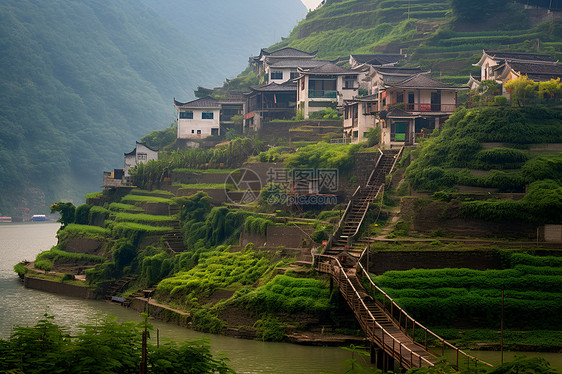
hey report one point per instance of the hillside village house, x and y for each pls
(505, 66)
(325, 86)
(374, 60)
(403, 110)
(204, 117)
(120, 177)
(281, 65)
(268, 102)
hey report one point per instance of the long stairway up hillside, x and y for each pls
(386, 326)
(360, 201)
(379, 328)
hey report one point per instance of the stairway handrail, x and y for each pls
(365, 212)
(414, 322)
(338, 226)
(396, 158)
(375, 168)
(383, 330)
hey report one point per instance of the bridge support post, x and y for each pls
(381, 359)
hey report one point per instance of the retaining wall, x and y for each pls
(59, 288)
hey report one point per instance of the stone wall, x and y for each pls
(406, 260)
(85, 245)
(59, 288)
(278, 130)
(277, 236)
(430, 216)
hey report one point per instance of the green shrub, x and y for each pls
(270, 329)
(45, 265)
(203, 320)
(67, 277)
(373, 137)
(324, 156)
(287, 294)
(500, 100)
(20, 269)
(81, 215)
(85, 230)
(499, 156)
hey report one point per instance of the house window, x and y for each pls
(186, 115)
(198, 132)
(294, 75)
(410, 98)
(193, 131)
(207, 115)
(276, 75)
(399, 97)
(355, 134)
(349, 82)
(141, 156)
(215, 132)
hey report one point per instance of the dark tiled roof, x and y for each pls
(378, 59)
(297, 63)
(288, 52)
(422, 81)
(134, 151)
(536, 69)
(399, 113)
(330, 69)
(404, 71)
(206, 102)
(519, 56)
(274, 87)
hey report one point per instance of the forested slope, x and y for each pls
(82, 80)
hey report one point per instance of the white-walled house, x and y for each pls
(141, 153)
(281, 65)
(120, 177)
(491, 59)
(403, 110)
(325, 86)
(198, 118)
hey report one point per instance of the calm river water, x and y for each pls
(21, 306)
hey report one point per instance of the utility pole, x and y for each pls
(501, 328)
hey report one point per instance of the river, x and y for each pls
(24, 307)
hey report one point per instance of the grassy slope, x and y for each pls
(428, 32)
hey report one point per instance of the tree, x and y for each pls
(522, 90)
(67, 212)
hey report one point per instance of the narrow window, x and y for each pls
(276, 75)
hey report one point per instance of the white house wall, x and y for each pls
(190, 128)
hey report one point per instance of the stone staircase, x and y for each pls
(174, 240)
(119, 285)
(364, 196)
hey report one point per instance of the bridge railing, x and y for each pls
(405, 321)
(398, 350)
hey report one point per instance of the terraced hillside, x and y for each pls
(435, 33)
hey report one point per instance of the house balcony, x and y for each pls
(322, 94)
(442, 108)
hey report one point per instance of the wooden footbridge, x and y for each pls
(393, 334)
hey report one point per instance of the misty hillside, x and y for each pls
(82, 80)
(231, 31)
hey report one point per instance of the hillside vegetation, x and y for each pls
(446, 36)
(82, 80)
